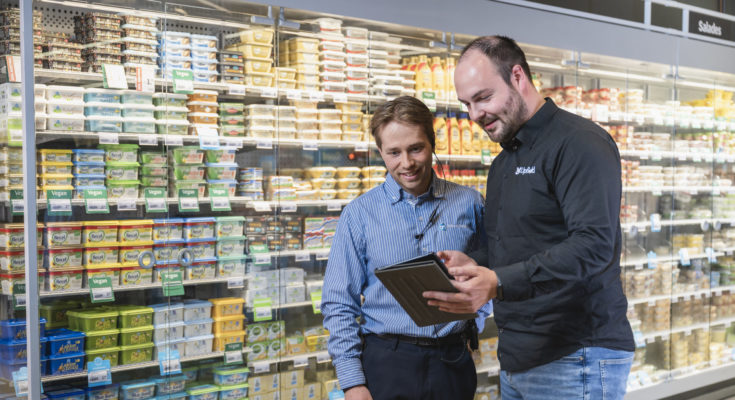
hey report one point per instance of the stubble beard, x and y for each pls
(515, 118)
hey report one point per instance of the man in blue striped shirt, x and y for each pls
(386, 355)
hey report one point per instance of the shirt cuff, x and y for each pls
(482, 314)
(516, 285)
(349, 373)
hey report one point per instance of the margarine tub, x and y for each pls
(323, 184)
(230, 226)
(154, 170)
(99, 232)
(89, 168)
(63, 234)
(373, 172)
(167, 250)
(327, 194)
(198, 270)
(8, 280)
(348, 183)
(189, 172)
(55, 168)
(163, 266)
(168, 229)
(134, 276)
(170, 99)
(129, 254)
(100, 255)
(122, 171)
(202, 249)
(122, 189)
(103, 271)
(227, 306)
(321, 172)
(230, 246)
(135, 231)
(198, 228)
(188, 155)
(348, 172)
(66, 279)
(88, 155)
(221, 340)
(153, 157)
(231, 266)
(124, 152)
(65, 258)
(13, 235)
(14, 259)
(369, 183)
(348, 194)
(80, 181)
(199, 185)
(55, 155)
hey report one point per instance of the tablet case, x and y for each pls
(407, 281)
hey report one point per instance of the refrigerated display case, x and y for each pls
(192, 160)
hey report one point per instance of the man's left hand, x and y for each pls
(480, 284)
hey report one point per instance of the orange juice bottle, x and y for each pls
(424, 82)
(478, 135)
(442, 136)
(451, 92)
(466, 128)
(438, 75)
(455, 135)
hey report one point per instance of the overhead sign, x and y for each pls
(708, 25)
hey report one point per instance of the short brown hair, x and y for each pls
(407, 110)
(503, 52)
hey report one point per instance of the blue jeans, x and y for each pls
(590, 373)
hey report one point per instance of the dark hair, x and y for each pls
(502, 51)
(407, 110)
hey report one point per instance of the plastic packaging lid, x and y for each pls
(103, 118)
(201, 240)
(232, 258)
(88, 151)
(135, 310)
(172, 122)
(230, 218)
(169, 325)
(66, 88)
(201, 321)
(169, 378)
(230, 370)
(102, 104)
(199, 220)
(101, 333)
(103, 351)
(166, 242)
(174, 34)
(104, 91)
(167, 306)
(65, 393)
(202, 389)
(203, 37)
(134, 384)
(87, 314)
(90, 163)
(177, 96)
(169, 221)
(134, 222)
(194, 303)
(129, 106)
(228, 165)
(129, 120)
(138, 329)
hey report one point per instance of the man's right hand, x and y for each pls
(359, 392)
(454, 258)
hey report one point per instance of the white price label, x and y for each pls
(21, 387)
(59, 205)
(316, 96)
(696, 157)
(221, 202)
(262, 258)
(681, 157)
(600, 113)
(269, 92)
(300, 362)
(236, 282)
(171, 366)
(102, 294)
(18, 206)
(311, 145)
(148, 140)
(339, 97)
(232, 142)
(334, 205)
(301, 257)
(109, 138)
(669, 121)
(322, 255)
(261, 206)
(97, 377)
(261, 367)
(97, 205)
(640, 119)
(655, 222)
(184, 85)
(262, 313)
(288, 206)
(233, 357)
(650, 339)
(145, 78)
(126, 205)
(651, 303)
(174, 140)
(688, 332)
(266, 144)
(293, 94)
(238, 90)
(323, 357)
(430, 104)
(156, 204)
(16, 135)
(207, 131)
(638, 267)
(189, 202)
(115, 76)
(361, 146)
(20, 300)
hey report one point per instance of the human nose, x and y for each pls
(406, 160)
(475, 113)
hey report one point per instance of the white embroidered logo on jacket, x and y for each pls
(525, 170)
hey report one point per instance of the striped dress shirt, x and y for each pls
(384, 226)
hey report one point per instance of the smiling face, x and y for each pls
(406, 151)
(496, 106)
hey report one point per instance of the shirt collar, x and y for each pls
(395, 192)
(528, 133)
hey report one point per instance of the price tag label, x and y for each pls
(261, 367)
(219, 199)
(301, 257)
(208, 142)
(188, 200)
(237, 282)
(288, 206)
(155, 200)
(59, 202)
(300, 362)
(233, 353)
(113, 76)
(322, 255)
(711, 257)
(311, 145)
(652, 260)
(148, 140)
(640, 119)
(361, 146)
(684, 257)
(269, 92)
(339, 97)
(231, 143)
(651, 303)
(183, 81)
(323, 357)
(20, 381)
(681, 156)
(15, 137)
(236, 90)
(109, 138)
(293, 94)
(261, 258)
(696, 157)
(17, 205)
(430, 104)
(638, 267)
(173, 140)
(95, 201)
(486, 157)
(207, 131)
(655, 222)
(19, 296)
(651, 339)
(261, 206)
(316, 96)
(669, 121)
(263, 143)
(316, 301)
(127, 205)
(172, 283)
(100, 290)
(704, 225)
(600, 113)
(262, 310)
(169, 361)
(334, 205)
(98, 372)
(145, 78)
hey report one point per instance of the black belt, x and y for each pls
(455, 338)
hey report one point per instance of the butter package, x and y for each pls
(99, 232)
(63, 234)
(65, 258)
(255, 225)
(101, 255)
(103, 271)
(12, 235)
(66, 279)
(312, 391)
(263, 384)
(133, 276)
(135, 231)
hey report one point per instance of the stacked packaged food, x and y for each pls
(300, 59)
(139, 35)
(356, 59)
(10, 33)
(332, 55)
(256, 46)
(100, 34)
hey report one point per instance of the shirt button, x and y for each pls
(421, 218)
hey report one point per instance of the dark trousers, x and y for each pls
(397, 370)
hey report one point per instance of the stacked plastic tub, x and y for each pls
(175, 49)
(203, 113)
(171, 113)
(383, 81)
(332, 55)
(300, 58)
(256, 47)
(139, 33)
(356, 59)
(101, 32)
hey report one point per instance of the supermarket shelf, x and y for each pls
(85, 291)
(660, 259)
(694, 293)
(685, 381)
(677, 155)
(319, 253)
(490, 370)
(130, 367)
(658, 190)
(233, 200)
(644, 225)
(321, 356)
